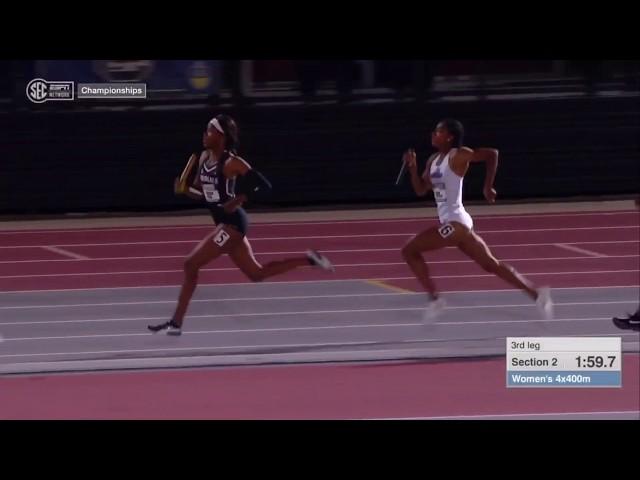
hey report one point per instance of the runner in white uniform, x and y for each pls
(447, 190)
(444, 175)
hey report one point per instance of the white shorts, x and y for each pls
(461, 217)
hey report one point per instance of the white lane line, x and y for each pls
(514, 415)
(320, 237)
(294, 223)
(278, 283)
(65, 253)
(147, 272)
(251, 299)
(571, 248)
(260, 254)
(313, 312)
(286, 345)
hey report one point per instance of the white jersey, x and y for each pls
(447, 190)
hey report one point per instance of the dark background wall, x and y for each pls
(53, 161)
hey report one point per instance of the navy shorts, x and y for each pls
(238, 219)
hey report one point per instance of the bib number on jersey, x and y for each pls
(446, 230)
(439, 193)
(211, 194)
(221, 238)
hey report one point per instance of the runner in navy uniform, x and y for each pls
(215, 183)
(632, 321)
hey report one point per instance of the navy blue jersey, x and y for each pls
(217, 190)
(215, 187)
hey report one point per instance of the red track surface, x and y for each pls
(116, 269)
(426, 389)
(322, 391)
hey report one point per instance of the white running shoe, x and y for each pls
(170, 328)
(433, 310)
(544, 303)
(320, 260)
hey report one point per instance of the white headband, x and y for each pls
(216, 125)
